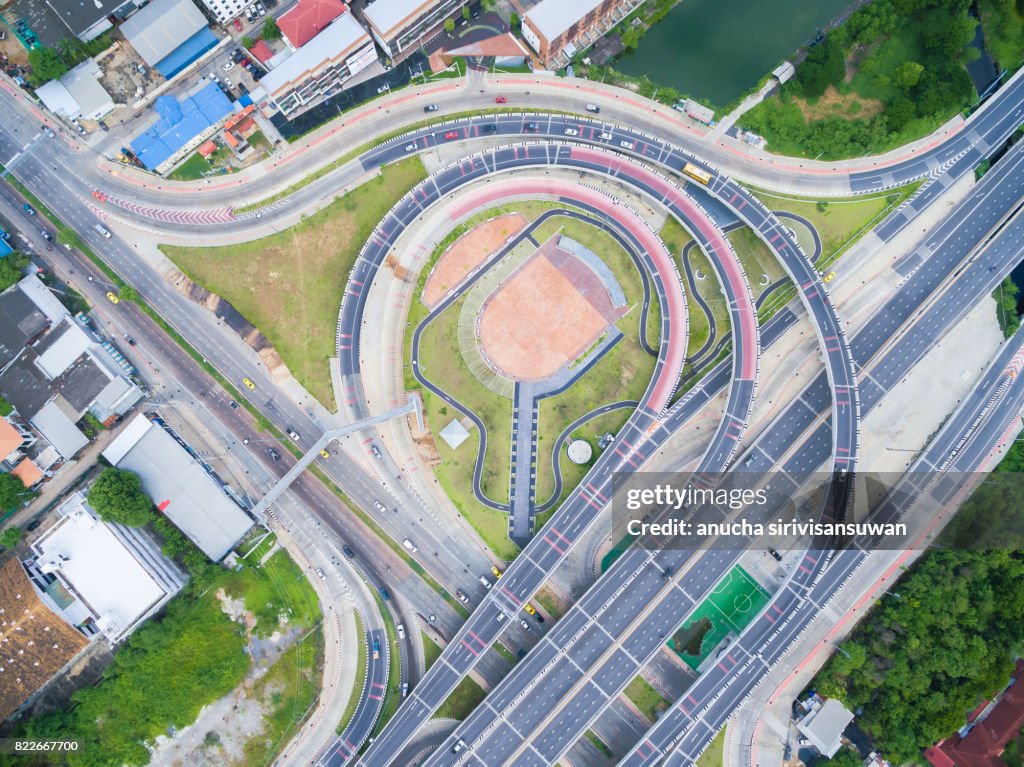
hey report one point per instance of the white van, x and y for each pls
(102, 230)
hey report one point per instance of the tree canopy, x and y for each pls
(270, 30)
(12, 269)
(118, 497)
(12, 492)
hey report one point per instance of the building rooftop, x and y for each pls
(344, 36)
(64, 344)
(179, 123)
(262, 52)
(180, 486)
(43, 298)
(454, 434)
(80, 15)
(59, 430)
(553, 17)
(389, 17)
(78, 93)
(10, 438)
(117, 581)
(24, 385)
(34, 643)
(158, 29)
(27, 472)
(824, 725)
(308, 18)
(20, 322)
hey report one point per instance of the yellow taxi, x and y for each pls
(325, 454)
(530, 608)
(495, 571)
(113, 298)
(248, 383)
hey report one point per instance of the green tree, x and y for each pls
(9, 538)
(12, 269)
(449, 25)
(515, 23)
(270, 30)
(465, 12)
(12, 492)
(248, 42)
(824, 66)
(631, 38)
(906, 75)
(118, 496)
(490, 5)
(46, 64)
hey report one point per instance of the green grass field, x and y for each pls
(714, 755)
(357, 687)
(729, 608)
(431, 651)
(646, 698)
(466, 696)
(289, 284)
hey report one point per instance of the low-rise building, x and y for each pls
(79, 93)
(558, 30)
(169, 35)
(183, 487)
(34, 643)
(225, 10)
(89, 20)
(319, 67)
(307, 19)
(101, 578)
(824, 726)
(401, 26)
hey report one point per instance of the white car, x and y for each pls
(626, 144)
(213, 77)
(410, 545)
(262, 11)
(228, 83)
(605, 136)
(379, 506)
(571, 132)
(410, 147)
(321, 573)
(229, 66)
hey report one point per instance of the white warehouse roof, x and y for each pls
(161, 27)
(343, 35)
(180, 486)
(553, 17)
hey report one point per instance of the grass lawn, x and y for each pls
(599, 744)
(714, 754)
(291, 686)
(756, 258)
(840, 222)
(275, 592)
(431, 651)
(573, 473)
(646, 698)
(553, 604)
(466, 696)
(289, 284)
(441, 361)
(357, 688)
(676, 238)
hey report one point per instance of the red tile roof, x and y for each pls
(261, 51)
(983, 744)
(308, 19)
(27, 472)
(207, 148)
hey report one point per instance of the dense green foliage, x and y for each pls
(12, 269)
(921, 661)
(1003, 21)
(906, 56)
(1006, 306)
(6, 408)
(270, 30)
(12, 493)
(161, 677)
(9, 538)
(118, 497)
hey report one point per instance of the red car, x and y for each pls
(451, 134)
(244, 63)
(238, 25)
(500, 100)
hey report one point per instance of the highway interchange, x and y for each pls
(617, 626)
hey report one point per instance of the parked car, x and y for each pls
(238, 25)
(228, 66)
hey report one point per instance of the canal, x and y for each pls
(717, 49)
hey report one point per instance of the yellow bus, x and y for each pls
(696, 173)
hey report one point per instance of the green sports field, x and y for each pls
(733, 603)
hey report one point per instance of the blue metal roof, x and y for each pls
(179, 123)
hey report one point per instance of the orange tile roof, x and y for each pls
(230, 139)
(34, 642)
(27, 472)
(207, 148)
(10, 438)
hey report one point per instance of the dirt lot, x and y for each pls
(833, 103)
(121, 77)
(467, 253)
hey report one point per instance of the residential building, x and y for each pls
(308, 18)
(34, 643)
(182, 486)
(101, 578)
(169, 35)
(225, 10)
(558, 30)
(54, 370)
(89, 20)
(401, 26)
(982, 741)
(319, 67)
(78, 93)
(824, 726)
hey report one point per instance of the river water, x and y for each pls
(717, 49)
